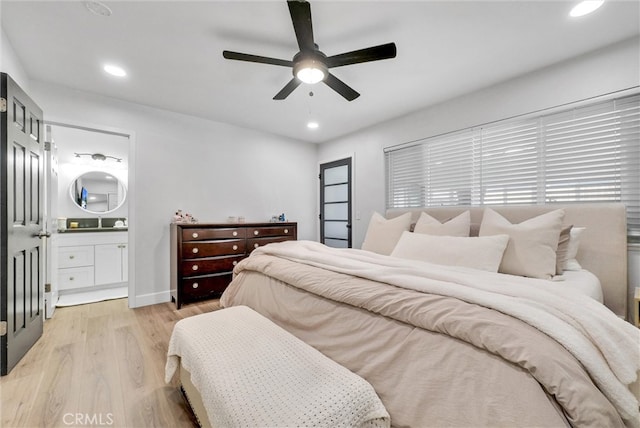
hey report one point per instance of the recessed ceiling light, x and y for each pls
(98, 8)
(585, 7)
(312, 125)
(114, 70)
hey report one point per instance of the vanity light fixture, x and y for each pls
(98, 156)
(312, 125)
(585, 7)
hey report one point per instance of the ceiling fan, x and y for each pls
(310, 65)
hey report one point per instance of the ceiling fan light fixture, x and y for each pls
(310, 71)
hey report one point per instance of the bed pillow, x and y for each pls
(483, 253)
(532, 246)
(383, 235)
(570, 262)
(563, 246)
(457, 226)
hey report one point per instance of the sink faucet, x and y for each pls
(99, 222)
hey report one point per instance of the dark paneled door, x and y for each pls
(21, 223)
(335, 203)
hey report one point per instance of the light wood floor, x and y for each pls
(100, 364)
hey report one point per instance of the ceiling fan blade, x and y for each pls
(301, 17)
(288, 88)
(373, 53)
(340, 87)
(256, 58)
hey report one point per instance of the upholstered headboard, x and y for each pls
(603, 245)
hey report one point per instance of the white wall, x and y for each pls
(607, 70)
(209, 169)
(10, 64)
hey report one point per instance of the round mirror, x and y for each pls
(97, 192)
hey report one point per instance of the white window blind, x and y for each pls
(585, 154)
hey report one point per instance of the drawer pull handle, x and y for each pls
(235, 262)
(286, 231)
(195, 251)
(235, 233)
(72, 257)
(235, 247)
(256, 245)
(255, 232)
(71, 278)
(195, 267)
(195, 285)
(195, 235)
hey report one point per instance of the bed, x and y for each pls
(458, 346)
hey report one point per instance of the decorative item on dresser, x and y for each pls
(203, 254)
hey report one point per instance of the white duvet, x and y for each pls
(608, 347)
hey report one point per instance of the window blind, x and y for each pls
(585, 154)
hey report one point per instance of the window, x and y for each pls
(586, 154)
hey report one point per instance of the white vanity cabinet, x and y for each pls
(111, 263)
(75, 266)
(89, 259)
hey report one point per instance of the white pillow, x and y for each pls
(532, 244)
(383, 235)
(457, 226)
(484, 253)
(563, 246)
(572, 249)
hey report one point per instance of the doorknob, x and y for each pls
(43, 234)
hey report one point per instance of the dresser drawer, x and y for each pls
(205, 286)
(81, 255)
(197, 249)
(206, 266)
(282, 230)
(77, 277)
(252, 244)
(206, 234)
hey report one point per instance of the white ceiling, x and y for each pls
(172, 51)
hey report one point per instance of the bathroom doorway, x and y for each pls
(88, 212)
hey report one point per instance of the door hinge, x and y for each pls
(3, 105)
(3, 328)
(319, 176)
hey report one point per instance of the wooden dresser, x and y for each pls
(203, 254)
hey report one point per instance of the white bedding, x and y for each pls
(608, 351)
(581, 281)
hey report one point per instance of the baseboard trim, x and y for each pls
(149, 299)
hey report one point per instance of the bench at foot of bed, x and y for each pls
(247, 371)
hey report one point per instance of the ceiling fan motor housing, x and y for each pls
(310, 60)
